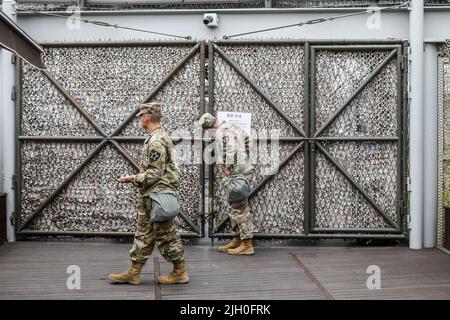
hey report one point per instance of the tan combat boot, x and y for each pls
(245, 248)
(132, 275)
(234, 243)
(178, 275)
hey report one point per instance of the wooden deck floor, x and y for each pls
(37, 270)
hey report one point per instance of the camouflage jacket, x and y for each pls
(158, 170)
(233, 148)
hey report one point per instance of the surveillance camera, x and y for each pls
(207, 20)
(210, 20)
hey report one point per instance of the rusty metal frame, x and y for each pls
(103, 138)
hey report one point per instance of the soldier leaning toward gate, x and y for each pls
(157, 182)
(233, 146)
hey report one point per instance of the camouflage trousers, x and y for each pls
(148, 234)
(241, 217)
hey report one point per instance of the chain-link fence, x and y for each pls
(443, 140)
(340, 114)
(77, 133)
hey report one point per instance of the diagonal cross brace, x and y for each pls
(158, 87)
(136, 166)
(258, 90)
(361, 87)
(55, 193)
(73, 101)
(357, 186)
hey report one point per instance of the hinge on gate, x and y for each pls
(408, 184)
(13, 59)
(404, 61)
(13, 93)
(405, 205)
(408, 222)
(210, 206)
(12, 219)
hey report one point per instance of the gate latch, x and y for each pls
(12, 219)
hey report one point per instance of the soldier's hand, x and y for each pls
(126, 179)
(226, 172)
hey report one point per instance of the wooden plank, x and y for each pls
(405, 274)
(38, 270)
(270, 273)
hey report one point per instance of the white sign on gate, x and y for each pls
(241, 119)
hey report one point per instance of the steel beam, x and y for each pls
(90, 234)
(55, 193)
(416, 156)
(318, 236)
(356, 185)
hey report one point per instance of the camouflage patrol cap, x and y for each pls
(207, 120)
(152, 108)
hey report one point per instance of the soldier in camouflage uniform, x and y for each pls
(232, 146)
(158, 174)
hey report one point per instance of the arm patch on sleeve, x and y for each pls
(154, 155)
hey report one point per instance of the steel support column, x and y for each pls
(416, 124)
(7, 125)
(430, 147)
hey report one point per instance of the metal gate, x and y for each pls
(77, 131)
(340, 111)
